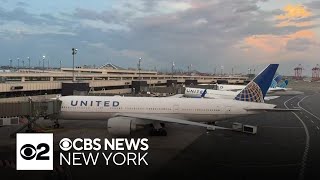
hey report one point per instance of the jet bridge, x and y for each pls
(31, 110)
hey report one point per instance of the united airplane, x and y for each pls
(214, 94)
(126, 114)
(274, 87)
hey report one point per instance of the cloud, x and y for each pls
(290, 37)
(172, 6)
(294, 15)
(18, 14)
(300, 44)
(19, 28)
(96, 44)
(313, 5)
(277, 43)
(111, 16)
(206, 34)
(101, 25)
(200, 22)
(19, 21)
(294, 11)
(22, 4)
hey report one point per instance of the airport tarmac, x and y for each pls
(286, 146)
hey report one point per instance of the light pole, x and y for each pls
(60, 65)
(189, 68)
(234, 68)
(172, 69)
(139, 68)
(29, 63)
(74, 51)
(10, 63)
(43, 59)
(48, 64)
(18, 62)
(22, 63)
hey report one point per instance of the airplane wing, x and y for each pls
(276, 89)
(169, 120)
(176, 96)
(267, 98)
(232, 89)
(274, 109)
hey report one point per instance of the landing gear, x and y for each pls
(30, 131)
(30, 126)
(212, 123)
(56, 124)
(158, 129)
(158, 132)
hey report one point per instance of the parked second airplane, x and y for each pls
(274, 87)
(214, 94)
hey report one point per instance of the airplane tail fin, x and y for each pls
(284, 84)
(256, 90)
(273, 84)
(278, 78)
(204, 93)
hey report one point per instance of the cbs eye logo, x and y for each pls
(65, 144)
(34, 151)
(29, 152)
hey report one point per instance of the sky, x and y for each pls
(209, 34)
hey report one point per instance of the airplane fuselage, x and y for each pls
(198, 110)
(210, 93)
(240, 87)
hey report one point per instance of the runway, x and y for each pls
(286, 146)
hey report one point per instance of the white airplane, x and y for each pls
(272, 88)
(215, 94)
(228, 87)
(125, 114)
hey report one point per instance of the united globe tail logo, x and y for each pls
(34, 151)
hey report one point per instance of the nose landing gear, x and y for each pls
(158, 132)
(158, 129)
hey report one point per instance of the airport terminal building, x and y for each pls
(108, 79)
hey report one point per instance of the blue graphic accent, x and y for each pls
(273, 84)
(284, 84)
(203, 93)
(278, 78)
(257, 89)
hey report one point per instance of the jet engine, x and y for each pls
(121, 126)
